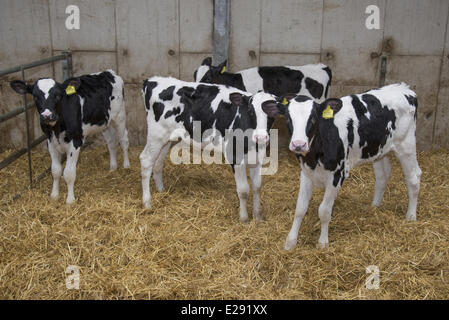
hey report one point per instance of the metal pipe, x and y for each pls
(221, 30)
(68, 59)
(31, 65)
(15, 112)
(41, 176)
(17, 154)
(383, 71)
(27, 122)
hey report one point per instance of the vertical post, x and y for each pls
(383, 71)
(67, 66)
(221, 30)
(30, 169)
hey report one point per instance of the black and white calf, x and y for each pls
(73, 110)
(312, 80)
(173, 106)
(332, 137)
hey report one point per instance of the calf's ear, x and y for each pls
(207, 62)
(330, 107)
(285, 99)
(221, 68)
(272, 108)
(75, 82)
(21, 87)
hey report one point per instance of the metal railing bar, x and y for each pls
(11, 114)
(17, 196)
(32, 64)
(27, 124)
(17, 154)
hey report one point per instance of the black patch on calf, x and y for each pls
(374, 131)
(339, 176)
(71, 115)
(328, 84)
(302, 98)
(149, 85)
(167, 94)
(280, 80)
(315, 88)
(215, 76)
(96, 91)
(173, 112)
(197, 107)
(413, 101)
(158, 109)
(350, 127)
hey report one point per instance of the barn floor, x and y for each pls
(193, 247)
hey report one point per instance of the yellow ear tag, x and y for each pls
(285, 101)
(70, 90)
(328, 113)
(223, 70)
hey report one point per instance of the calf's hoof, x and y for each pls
(258, 216)
(112, 168)
(290, 244)
(126, 165)
(375, 204)
(54, 197)
(146, 204)
(159, 187)
(70, 201)
(322, 245)
(244, 219)
(410, 217)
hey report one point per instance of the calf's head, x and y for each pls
(306, 119)
(262, 109)
(47, 94)
(207, 73)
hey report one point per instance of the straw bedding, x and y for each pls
(191, 245)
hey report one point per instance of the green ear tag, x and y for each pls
(285, 101)
(328, 113)
(70, 90)
(223, 70)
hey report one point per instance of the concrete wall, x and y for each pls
(141, 38)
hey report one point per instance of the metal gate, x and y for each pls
(67, 72)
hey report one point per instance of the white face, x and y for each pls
(45, 85)
(47, 104)
(260, 134)
(200, 72)
(299, 114)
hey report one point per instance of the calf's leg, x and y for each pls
(305, 194)
(382, 170)
(241, 182)
(412, 173)
(70, 172)
(111, 141)
(148, 158)
(256, 182)
(56, 170)
(122, 134)
(159, 166)
(325, 213)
